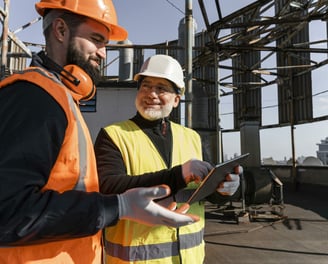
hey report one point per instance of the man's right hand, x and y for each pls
(137, 204)
(231, 183)
(195, 170)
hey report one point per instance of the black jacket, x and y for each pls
(112, 172)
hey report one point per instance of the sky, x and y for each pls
(156, 21)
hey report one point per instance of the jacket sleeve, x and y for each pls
(31, 134)
(113, 177)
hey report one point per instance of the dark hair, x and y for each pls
(72, 20)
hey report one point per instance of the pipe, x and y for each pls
(188, 62)
(4, 47)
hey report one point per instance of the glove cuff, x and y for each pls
(121, 206)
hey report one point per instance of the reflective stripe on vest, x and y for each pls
(80, 185)
(155, 251)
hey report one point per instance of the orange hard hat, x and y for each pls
(102, 11)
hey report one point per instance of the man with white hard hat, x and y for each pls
(147, 150)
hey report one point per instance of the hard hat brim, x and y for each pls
(158, 75)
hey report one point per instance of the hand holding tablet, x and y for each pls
(217, 175)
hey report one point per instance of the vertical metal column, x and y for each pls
(188, 58)
(292, 123)
(219, 150)
(4, 46)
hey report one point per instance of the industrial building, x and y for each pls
(264, 45)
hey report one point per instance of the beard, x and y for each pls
(153, 114)
(74, 56)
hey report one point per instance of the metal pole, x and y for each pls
(4, 47)
(219, 150)
(188, 62)
(292, 128)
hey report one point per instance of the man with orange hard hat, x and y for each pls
(51, 210)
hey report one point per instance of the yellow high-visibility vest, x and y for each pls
(130, 242)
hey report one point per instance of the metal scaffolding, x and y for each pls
(239, 43)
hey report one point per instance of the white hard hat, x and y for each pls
(163, 66)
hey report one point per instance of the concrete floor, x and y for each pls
(300, 236)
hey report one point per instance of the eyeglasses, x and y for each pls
(159, 89)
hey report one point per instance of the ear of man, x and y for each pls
(60, 29)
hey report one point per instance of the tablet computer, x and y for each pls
(215, 177)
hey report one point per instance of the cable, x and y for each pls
(320, 93)
(177, 8)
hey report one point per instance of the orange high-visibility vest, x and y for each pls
(131, 242)
(75, 169)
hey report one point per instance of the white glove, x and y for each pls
(137, 204)
(231, 183)
(195, 170)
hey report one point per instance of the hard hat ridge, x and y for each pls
(102, 11)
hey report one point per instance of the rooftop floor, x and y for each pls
(300, 236)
